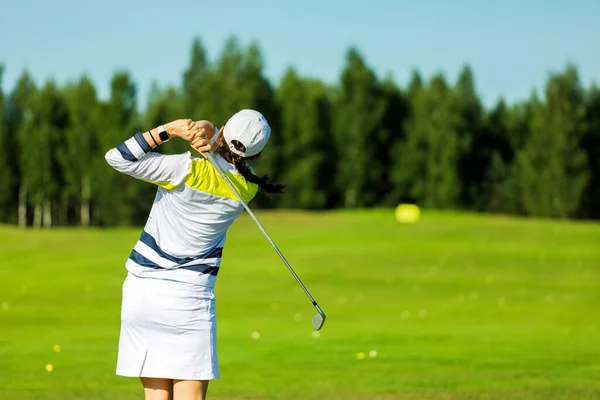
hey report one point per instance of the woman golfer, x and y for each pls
(168, 327)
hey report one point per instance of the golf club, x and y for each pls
(319, 319)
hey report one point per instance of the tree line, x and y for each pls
(363, 142)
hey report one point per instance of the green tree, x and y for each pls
(472, 137)
(491, 158)
(80, 147)
(8, 176)
(359, 132)
(236, 82)
(507, 129)
(19, 109)
(590, 207)
(114, 194)
(396, 115)
(196, 94)
(400, 181)
(40, 140)
(552, 167)
(415, 86)
(426, 170)
(223, 92)
(306, 151)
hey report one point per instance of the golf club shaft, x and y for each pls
(222, 173)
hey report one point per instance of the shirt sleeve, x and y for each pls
(135, 158)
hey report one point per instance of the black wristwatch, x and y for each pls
(163, 134)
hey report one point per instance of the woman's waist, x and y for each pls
(170, 282)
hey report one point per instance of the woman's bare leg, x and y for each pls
(189, 390)
(158, 388)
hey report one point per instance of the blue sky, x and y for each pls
(511, 45)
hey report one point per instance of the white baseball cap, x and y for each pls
(251, 129)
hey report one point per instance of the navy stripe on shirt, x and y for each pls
(139, 138)
(125, 153)
(145, 262)
(149, 241)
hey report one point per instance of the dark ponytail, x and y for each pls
(241, 164)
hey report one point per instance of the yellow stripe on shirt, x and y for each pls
(167, 185)
(205, 178)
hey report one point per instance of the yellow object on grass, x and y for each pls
(408, 213)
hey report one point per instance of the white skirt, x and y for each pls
(168, 330)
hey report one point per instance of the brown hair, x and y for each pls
(241, 164)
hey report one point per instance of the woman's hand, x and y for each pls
(200, 142)
(183, 128)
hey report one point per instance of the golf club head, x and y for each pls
(318, 320)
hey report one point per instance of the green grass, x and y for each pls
(457, 306)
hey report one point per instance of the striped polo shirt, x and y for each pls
(185, 233)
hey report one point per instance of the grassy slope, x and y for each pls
(457, 307)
